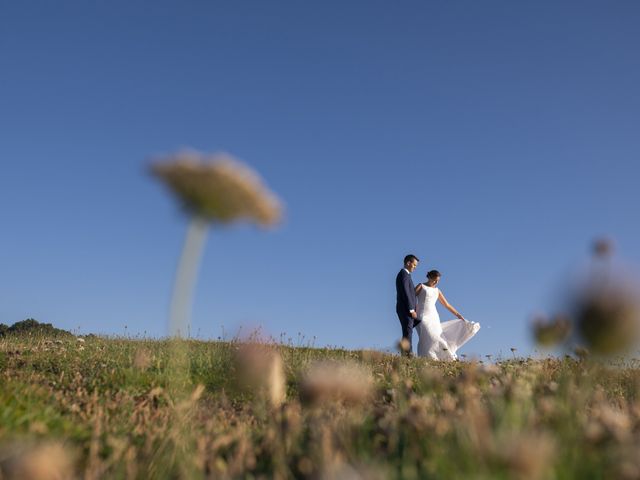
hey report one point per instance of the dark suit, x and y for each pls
(405, 301)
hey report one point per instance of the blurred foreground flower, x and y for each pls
(218, 188)
(548, 333)
(526, 455)
(333, 381)
(608, 320)
(261, 370)
(404, 347)
(36, 462)
(212, 189)
(142, 359)
(604, 310)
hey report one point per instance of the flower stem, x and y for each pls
(186, 274)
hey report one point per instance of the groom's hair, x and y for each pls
(410, 258)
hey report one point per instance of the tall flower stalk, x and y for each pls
(212, 189)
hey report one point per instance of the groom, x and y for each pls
(406, 299)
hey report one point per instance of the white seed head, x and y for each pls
(260, 368)
(336, 381)
(218, 188)
(48, 461)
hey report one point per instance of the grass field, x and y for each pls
(125, 408)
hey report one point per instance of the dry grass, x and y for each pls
(107, 408)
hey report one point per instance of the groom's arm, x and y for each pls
(409, 293)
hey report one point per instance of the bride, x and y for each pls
(439, 341)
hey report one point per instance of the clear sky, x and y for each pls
(493, 139)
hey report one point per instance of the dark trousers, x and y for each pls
(407, 323)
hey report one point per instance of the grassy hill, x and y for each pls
(124, 408)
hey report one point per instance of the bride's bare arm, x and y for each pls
(448, 306)
(418, 288)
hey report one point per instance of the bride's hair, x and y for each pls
(433, 274)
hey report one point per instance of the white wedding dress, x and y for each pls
(440, 341)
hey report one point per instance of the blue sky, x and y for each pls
(494, 139)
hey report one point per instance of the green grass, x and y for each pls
(116, 409)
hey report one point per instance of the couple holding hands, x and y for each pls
(416, 308)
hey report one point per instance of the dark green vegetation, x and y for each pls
(33, 328)
(98, 408)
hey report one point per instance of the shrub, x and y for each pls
(31, 326)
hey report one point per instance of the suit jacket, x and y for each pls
(405, 293)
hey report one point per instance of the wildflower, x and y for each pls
(49, 461)
(260, 368)
(448, 403)
(326, 381)
(39, 428)
(218, 188)
(553, 332)
(214, 188)
(142, 359)
(616, 422)
(526, 455)
(276, 383)
(197, 393)
(291, 419)
(546, 406)
(418, 413)
(628, 467)
(608, 320)
(404, 346)
(305, 466)
(594, 432)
